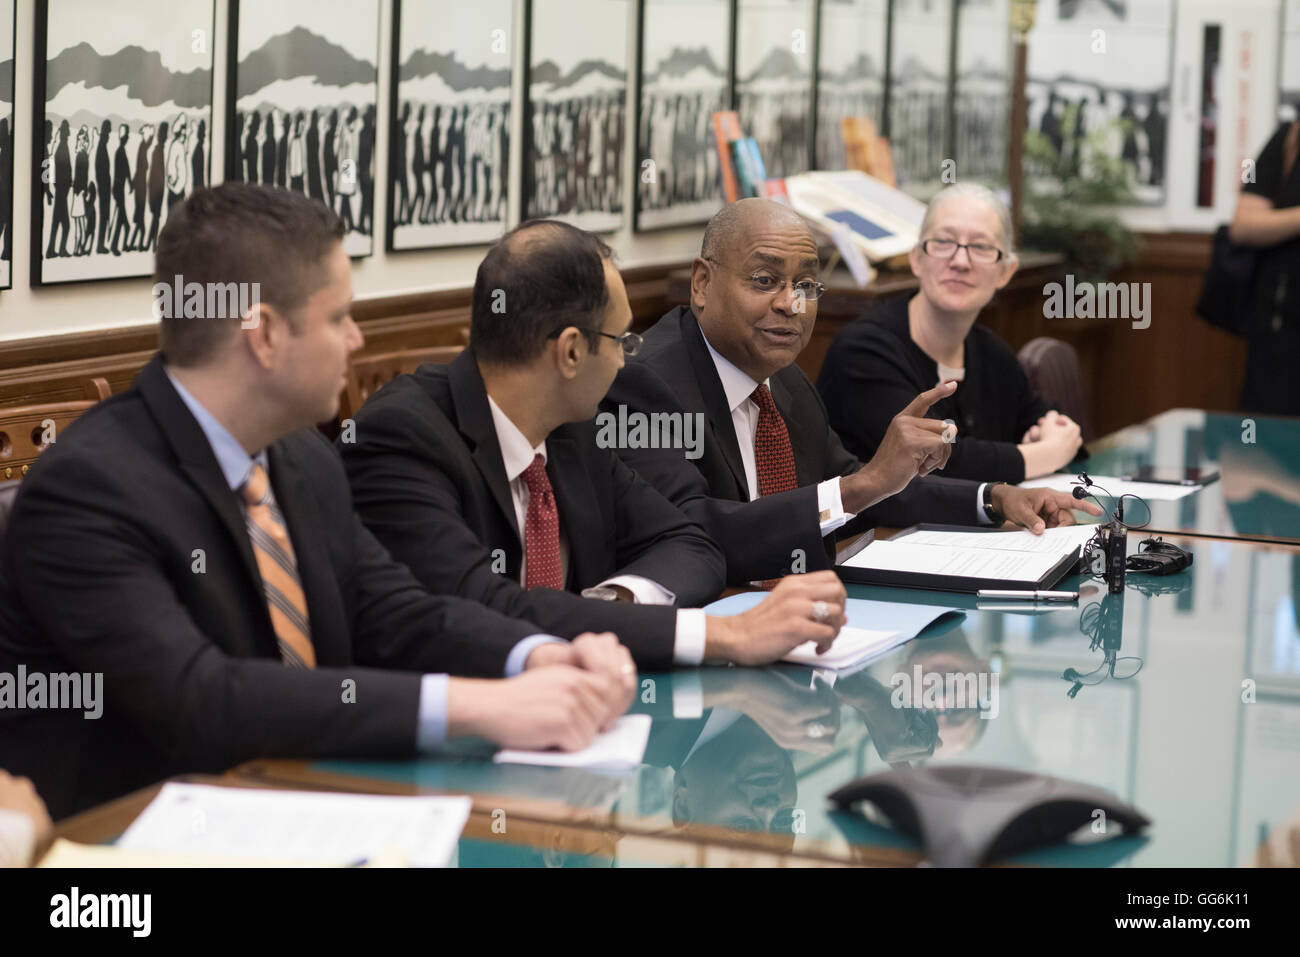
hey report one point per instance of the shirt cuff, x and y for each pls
(17, 839)
(519, 653)
(432, 730)
(643, 590)
(688, 695)
(688, 645)
(979, 505)
(830, 506)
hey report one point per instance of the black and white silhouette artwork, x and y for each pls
(851, 70)
(983, 104)
(774, 40)
(124, 110)
(684, 81)
(577, 99)
(1101, 70)
(449, 135)
(918, 96)
(6, 142)
(305, 81)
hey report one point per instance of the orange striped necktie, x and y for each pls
(274, 552)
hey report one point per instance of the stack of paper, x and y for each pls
(264, 826)
(621, 748)
(969, 560)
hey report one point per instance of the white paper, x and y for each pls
(621, 748)
(1155, 491)
(298, 825)
(1009, 556)
(852, 646)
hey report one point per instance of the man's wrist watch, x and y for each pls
(991, 513)
(601, 593)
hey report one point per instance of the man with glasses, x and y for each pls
(488, 479)
(773, 482)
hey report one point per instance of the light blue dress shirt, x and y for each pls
(236, 464)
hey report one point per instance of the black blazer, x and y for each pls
(674, 372)
(101, 571)
(429, 481)
(873, 369)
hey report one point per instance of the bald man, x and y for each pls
(772, 483)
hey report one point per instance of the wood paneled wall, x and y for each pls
(1131, 374)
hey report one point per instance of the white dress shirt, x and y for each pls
(516, 455)
(738, 387)
(17, 839)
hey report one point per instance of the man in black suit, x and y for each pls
(448, 466)
(753, 305)
(192, 543)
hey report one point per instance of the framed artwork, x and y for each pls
(1100, 72)
(449, 131)
(576, 90)
(850, 72)
(684, 78)
(122, 131)
(6, 142)
(774, 54)
(918, 92)
(983, 91)
(302, 102)
(1289, 82)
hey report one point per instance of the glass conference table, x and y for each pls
(1257, 496)
(1184, 702)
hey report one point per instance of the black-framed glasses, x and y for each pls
(630, 341)
(765, 284)
(947, 248)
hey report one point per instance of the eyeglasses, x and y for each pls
(630, 341)
(947, 248)
(767, 285)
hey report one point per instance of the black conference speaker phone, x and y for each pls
(965, 815)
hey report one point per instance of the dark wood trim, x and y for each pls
(56, 368)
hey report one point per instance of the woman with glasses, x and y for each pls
(875, 366)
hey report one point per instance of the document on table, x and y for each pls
(870, 630)
(1011, 556)
(298, 826)
(621, 748)
(1154, 491)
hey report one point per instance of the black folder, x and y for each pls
(956, 583)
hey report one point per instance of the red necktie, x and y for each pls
(773, 457)
(541, 530)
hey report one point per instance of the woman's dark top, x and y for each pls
(1271, 384)
(873, 369)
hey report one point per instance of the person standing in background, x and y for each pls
(1268, 218)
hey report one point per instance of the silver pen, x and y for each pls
(1028, 595)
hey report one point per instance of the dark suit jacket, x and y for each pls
(429, 481)
(873, 369)
(674, 372)
(99, 573)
